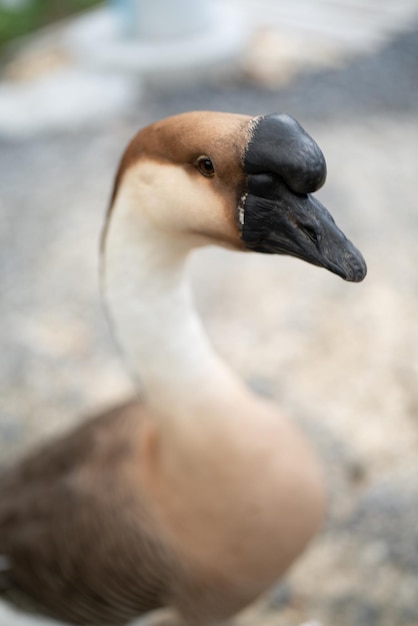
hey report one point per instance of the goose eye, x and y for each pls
(205, 166)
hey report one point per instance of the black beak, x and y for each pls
(277, 213)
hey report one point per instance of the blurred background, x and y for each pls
(77, 79)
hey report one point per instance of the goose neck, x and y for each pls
(151, 310)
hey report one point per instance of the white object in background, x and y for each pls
(64, 100)
(162, 19)
(219, 37)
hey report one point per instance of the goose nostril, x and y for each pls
(313, 235)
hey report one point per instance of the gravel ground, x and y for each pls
(340, 358)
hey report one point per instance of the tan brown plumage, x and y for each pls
(199, 495)
(80, 544)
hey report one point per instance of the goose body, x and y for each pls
(198, 495)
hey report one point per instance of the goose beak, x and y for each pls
(278, 221)
(278, 215)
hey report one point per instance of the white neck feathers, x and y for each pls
(151, 310)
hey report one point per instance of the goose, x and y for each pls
(198, 494)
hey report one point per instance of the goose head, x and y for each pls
(242, 182)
